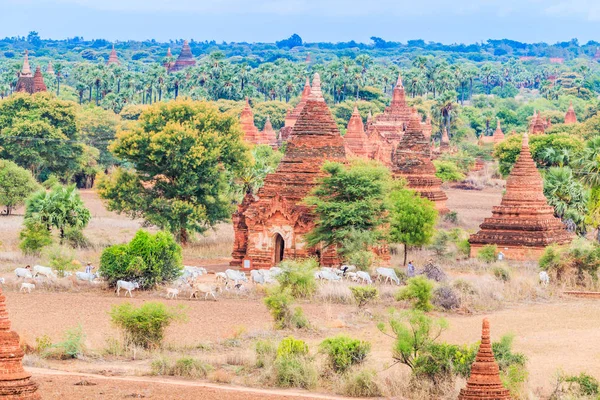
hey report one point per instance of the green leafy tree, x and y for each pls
(418, 290)
(349, 203)
(412, 219)
(184, 154)
(60, 208)
(16, 184)
(567, 195)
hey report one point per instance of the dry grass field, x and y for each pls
(555, 333)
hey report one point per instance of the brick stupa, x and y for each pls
(538, 125)
(570, 116)
(113, 59)
(356, 140)
(498, 134)
(15, 382)
(523, 224)
(292, 115)
(50, 69)
(38, 81)
(412, 161)
(268, 135)
(25, 81)
(185, 59)
(272, 225)
(484, 382)
(251, 134)
(392, 123)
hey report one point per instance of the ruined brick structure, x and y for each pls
(15, 382)
(268, 135)
(113, 58)
(484, 382)
(292, 115)
(355, 139)
(271, 226)
(185, 59)
(538, 124)
(570, 116)
(498, 134)
(523, 224)
(392, 123)
(250, 130)
(412, 161)
(38, 81)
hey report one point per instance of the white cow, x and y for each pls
(388, 274)
(45, 271)
(203, 288)
(274, 271)
(352, 276)
(27, 286)
(23, 273)
(172, 293)
(364, 277)
(85, 276)
(329, 275)
(221, 277)
(127, 286)
(235, 276)
(2, 281)
(544, 278)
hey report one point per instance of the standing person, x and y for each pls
(410, 269)
(89, 268)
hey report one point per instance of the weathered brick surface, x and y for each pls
(392, 123)
(185, 59)
(498, 134)
(25, 82)
(268, 135)
(570, 116)
(523, 224)
(356, 140)
(484, 382)
(15, 382)
(412, 161)
(538, 124)
(251, 134)
(38, 81)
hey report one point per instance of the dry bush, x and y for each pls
(220, 376)
(215, 243)
(336, 293)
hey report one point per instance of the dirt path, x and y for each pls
(60, 385)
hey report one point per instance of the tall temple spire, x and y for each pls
(355, 139)
(38, 81)
(570, 116)
(50, 69)
(523, 225)
(247, 123)
(185, 59)
(25, 81)
(484, 382)
(399, 81)
(113, 58)
(26, 70)
(15, 382)
(268, 135)
(315, 91)
(498, 134)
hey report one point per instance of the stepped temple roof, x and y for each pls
(538, 124)
(356, 140)
(185, 59)
(498, 134)
(113, 58)
(523, 224)
(251, 134)
(412, 161)
(484, 382)
(38, 81)
(271, 226)
(394, 120)
(15, 382)
(25, 82)
(570, 116)
(268, 135)
(292, 115)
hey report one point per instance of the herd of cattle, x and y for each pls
(191, 283)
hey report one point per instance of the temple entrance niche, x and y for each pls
(279, 248)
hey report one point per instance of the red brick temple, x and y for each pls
(185, 59)
(15, 382)
(268, 135)
(570, 116)
(251, 134)
(498, 134)
(523, 224)
(412, 161)
(355, 139)
(538, 124)
(38, 81)
(271, 225)
(292, 115)
(25, 81)
(113, 59)
(484, 382)
(392, 123)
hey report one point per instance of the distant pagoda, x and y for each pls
(25, 82)
(394, 119)
(523, 225)
(268, 135)
(355, 139)
(538, 125)
(185, 59)
(484, 382)
(247, 123)
(113, 59)
(412, 161)
(292, 115)
(50, 69)
(570, 116)
(15, 382)
(445, 141)
(38, 81)
(498, 134)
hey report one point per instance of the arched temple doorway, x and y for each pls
(279, 248)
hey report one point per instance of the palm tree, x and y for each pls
(567, 195)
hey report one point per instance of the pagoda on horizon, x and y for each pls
(27, 81)
(185, 59)
(113, 59)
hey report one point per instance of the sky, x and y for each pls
(445, 21)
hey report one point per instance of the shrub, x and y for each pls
(586, 385)
(464, 247)
(34, 237)
(74, 237)
(488, 253)
(145, 326)
(297, 371)
(363, 259)
(501, 274)
(364, 294)
(266, 351)
(61, 259)
(291, 346)
(279, 304)
(50, 182)
(149, 259)
(298, 276)
(440, 243)
(451, 217)
(72, 345)
(418, 290)
(43, 344)
(361, 384)
(448, 171)
(187, 367)
(344, 352)
(442, 361)
(444, 297)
